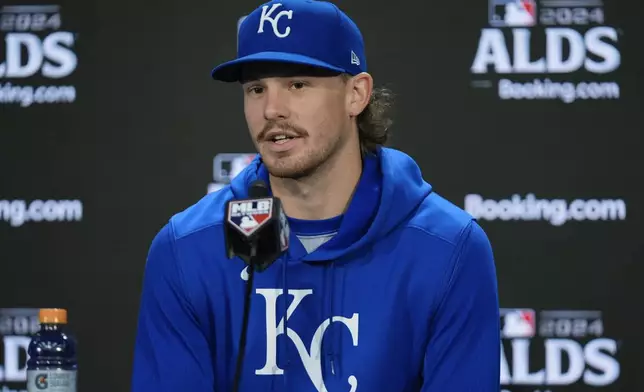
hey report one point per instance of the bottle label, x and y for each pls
(51, 381)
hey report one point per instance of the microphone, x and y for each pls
(256, 231)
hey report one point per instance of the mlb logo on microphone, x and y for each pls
(249, 215)
(518, 323)
(512, 13)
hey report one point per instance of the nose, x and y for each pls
(275, 104)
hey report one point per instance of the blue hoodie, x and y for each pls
(402, 299)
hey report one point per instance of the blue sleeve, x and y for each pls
(171, 352)
(463, 354)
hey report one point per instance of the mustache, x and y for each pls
(284, 126)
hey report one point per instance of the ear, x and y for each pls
(359, 89)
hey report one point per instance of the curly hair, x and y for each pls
(375, 121)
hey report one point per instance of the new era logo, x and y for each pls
(354, 58)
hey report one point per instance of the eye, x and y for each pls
(298, 84)
(255, 89)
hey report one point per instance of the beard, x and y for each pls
(305, 161)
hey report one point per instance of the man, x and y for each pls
(386, 286)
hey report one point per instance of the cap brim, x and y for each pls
(231, 71)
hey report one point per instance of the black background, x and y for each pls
(137, 146)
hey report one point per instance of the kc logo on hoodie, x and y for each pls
(311, 358)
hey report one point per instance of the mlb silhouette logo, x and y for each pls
(512, 13)
(249, 215)
(518, 323)
(248, 223)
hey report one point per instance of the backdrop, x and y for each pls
(527, 114)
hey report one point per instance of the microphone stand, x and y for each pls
(244, 331)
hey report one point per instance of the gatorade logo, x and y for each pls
(41, 381)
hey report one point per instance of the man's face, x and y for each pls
(298, 118)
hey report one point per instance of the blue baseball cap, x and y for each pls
(306, 32)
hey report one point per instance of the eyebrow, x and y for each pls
(280, 70)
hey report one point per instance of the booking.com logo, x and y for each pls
(557, 211)
(19, 212)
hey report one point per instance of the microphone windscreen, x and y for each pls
(258, 190)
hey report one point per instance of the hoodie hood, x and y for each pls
(389, 177)
(358, 313)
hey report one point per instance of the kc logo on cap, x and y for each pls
(267, 16)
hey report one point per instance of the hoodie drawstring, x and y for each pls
(332, 341)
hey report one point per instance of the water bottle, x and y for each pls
(51, 363)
